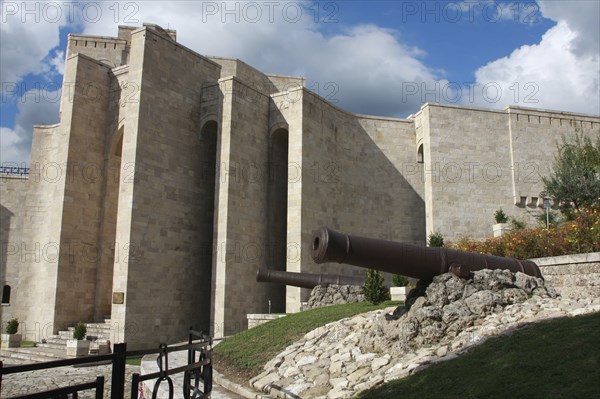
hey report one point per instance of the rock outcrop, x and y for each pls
(447, 316)
(325, 295)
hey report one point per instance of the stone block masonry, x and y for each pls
(205, 169)
(573, 276)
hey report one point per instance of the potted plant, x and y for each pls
(501, 225)
(11, 339)
(78, 346)
(399, 289)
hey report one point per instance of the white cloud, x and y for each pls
(362, 67)
(28, 32)
(12, 150)
(35, 107)
(582, 18)
(561, 72)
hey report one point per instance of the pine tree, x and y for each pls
(374, 290)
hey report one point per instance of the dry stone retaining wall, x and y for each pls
(449, 316)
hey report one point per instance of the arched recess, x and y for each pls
(6, 294)
(420, 155)
(278, 211)
(207, 185)
(107, 241)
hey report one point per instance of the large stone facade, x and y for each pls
(172, 177)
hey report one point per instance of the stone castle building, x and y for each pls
(173, 176)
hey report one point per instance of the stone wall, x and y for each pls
(241, 236)
(87, 123)
(477, 161)
(573, 276)
(13, 190)
(163, 200)
(353, 179)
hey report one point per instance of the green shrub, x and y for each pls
(399, 281)
(374, 290)
(517, 224)
(500, 216)
(12, 326)
(435, 240)
(79, 331)
(580, 235)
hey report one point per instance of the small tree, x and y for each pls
(79, 331)
(517, 224)
(373, 289)
(399, 281)
(575, 177)
(500, 216)
(12, 326)
(435, 240)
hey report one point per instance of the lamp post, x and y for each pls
(547, 206)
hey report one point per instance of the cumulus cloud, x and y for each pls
(560, 72)
(35, 107)
(27, 35)
(360, 68)
(582, 19)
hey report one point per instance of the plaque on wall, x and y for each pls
(118, 298)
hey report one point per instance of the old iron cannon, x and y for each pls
(305, 280)
(407, 259)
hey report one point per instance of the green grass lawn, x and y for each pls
(246, 353)
(133, 361)
(553, 359)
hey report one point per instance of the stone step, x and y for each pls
(13, 361)
(56, 340)
(34, 355)
(66, 334)
(106, 326)
(56, 353)
(52, 345)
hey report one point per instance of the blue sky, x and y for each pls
(376, 57)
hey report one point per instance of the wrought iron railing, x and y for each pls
(198, 369)
(13, 171)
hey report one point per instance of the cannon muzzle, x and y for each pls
(305, 280)
(406, 259)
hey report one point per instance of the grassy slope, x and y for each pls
(246, 353)
(553, 359)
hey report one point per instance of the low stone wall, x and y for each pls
(572, 276)
(256, 319)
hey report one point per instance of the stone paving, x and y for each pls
(176, 359)
(42, 380)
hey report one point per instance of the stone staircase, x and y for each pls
(54, 347)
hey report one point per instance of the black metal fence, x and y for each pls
(197, 371)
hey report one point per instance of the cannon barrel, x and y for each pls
(406, 259)
(305, 280)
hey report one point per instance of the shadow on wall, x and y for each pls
(5, 219)
(362, 187)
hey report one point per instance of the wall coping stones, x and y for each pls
(567, 259)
